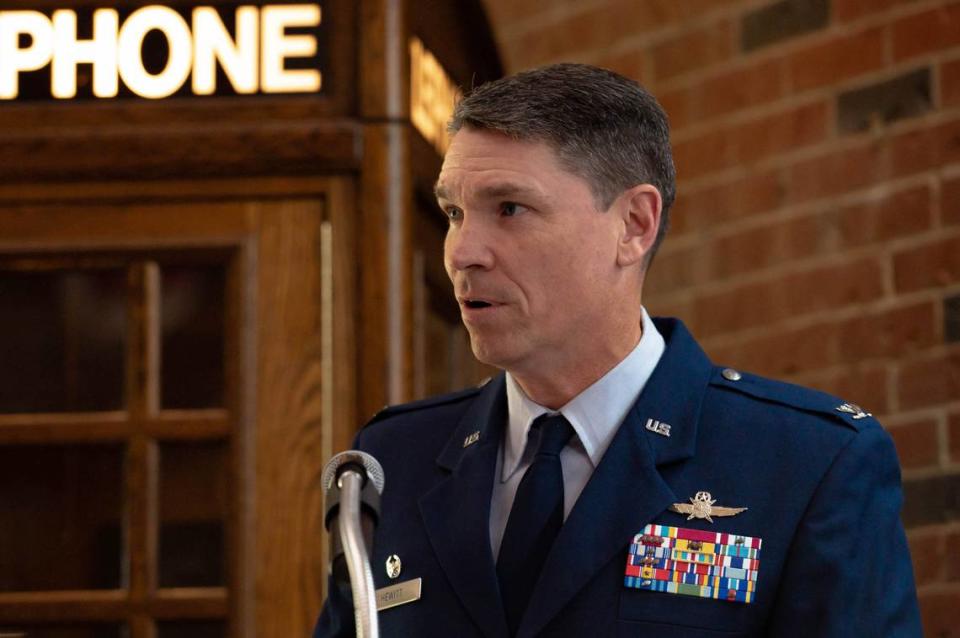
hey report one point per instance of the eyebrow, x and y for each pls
(493, 191)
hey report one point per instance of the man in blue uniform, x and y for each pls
(613, 481)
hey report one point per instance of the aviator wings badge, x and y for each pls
(853, 409)
(702, 506)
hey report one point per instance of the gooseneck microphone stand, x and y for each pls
(355, 550)
(354, 481)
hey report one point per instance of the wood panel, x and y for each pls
(289, 412)
(386, 302)
(214, 190)
(386, 226)
(79, 606)
(188, 425)
(186, 149)
(342, 313)
(384, 66)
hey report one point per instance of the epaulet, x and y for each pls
(422, 404)
(793, 396)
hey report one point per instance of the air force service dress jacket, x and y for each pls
(822, 547)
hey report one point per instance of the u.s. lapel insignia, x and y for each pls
(702, 506)
(471, 439)
(659, 427)
(854, 409)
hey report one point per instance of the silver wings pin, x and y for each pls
(853, 409)
(702, 506)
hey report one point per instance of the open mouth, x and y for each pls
(476, 304)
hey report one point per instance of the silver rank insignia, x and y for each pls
(471, 439)
(702, 506)
(854, 409)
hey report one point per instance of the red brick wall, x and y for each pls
(816, 236)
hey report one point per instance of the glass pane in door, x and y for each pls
(192, 629)
(193, 322)
(60, 517)
(62, 336)
(193, 511)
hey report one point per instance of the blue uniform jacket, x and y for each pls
(822, 490)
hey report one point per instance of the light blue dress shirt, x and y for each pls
(595, 414)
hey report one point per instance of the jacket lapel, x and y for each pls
(456, 512)
(626, 490)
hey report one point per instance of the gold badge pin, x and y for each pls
(394, 566)
(702, 506)
(473, 438)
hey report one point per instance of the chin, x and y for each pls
(493, 352)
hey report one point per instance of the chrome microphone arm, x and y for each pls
(353, 481)
(350, 483)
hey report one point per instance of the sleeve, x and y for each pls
(848, 571)
(336, 619)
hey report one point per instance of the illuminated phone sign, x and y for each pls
(433, 94)
(155, 52)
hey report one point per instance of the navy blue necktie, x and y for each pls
(535, 520)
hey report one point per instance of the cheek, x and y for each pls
(577, 277)
(599, 254)
(587, 253)
(563, 277)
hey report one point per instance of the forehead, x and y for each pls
(483, 161)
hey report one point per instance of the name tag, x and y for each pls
(399, 594)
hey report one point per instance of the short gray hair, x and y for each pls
(604, 127)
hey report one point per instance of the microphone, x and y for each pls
(353, 481)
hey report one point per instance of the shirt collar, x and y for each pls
(595, 413)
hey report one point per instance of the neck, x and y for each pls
(565, 379)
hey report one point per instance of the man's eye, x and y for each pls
(453, 213)
(509, 209)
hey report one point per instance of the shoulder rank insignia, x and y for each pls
(854, 409)
(702, 506)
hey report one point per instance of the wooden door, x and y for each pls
(168, 394)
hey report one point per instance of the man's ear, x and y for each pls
(640, 209)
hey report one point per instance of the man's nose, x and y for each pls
(467, 246)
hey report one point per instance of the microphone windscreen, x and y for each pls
(356, 457)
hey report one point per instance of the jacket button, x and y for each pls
(731, 375)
